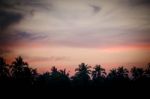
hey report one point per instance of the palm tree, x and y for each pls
(98, 72)
(113, 74)
(21, 72)
(54, 70)
(83, 71)
(43, 80)
(4, 69)
(18, 67)
(120, 73)
(64, 77)
(59, 78)
(137, 73)
(147, 71)
(81, 76)
(98, 76)
(54, 74)
(64, 73)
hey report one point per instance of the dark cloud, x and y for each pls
(8, 13)
(13, 3)
(140, 2)
(7, 4)
(16, 37)
(30, 36)
(13, 11)
(22, 4)
(95, 8)
(9, 18)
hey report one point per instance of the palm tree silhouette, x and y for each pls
(4, 73)
(65, 80)
(54, 75)
(81, 76)
(120, 73)
(21, 72)
(98, 72)
(137, 73)
(98, 76)
(147, 71)
(59, 78)
(18, 67)
(147, 76)
(63, 72)
(113, 74)
(64, 75)
(43, 81)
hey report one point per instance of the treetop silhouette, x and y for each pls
(19, 73)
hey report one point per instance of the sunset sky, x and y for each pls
(65, 33)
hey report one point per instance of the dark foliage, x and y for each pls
(20, 75)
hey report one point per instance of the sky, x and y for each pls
(65, 33)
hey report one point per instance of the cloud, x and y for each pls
(54, 58)
(29, 36)
(9, 14)
(9, 18)
(17, 37)
(140, 2)
(50, 30)
(14, 11)
(76, 23)
(107, 38)
(50, 58)
(96, 9)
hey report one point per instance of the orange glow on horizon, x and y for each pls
(108, 62)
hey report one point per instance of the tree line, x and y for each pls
(20, 74)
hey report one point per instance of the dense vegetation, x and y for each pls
(20, 75)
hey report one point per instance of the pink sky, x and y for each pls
(64, 33)
(43, 57)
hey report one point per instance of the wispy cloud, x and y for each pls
(87, 24)
(140, 2)
(66, 24)
(8, 18)
(96, 9)
(49, 58)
